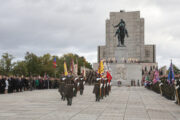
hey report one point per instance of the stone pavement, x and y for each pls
(124, 103)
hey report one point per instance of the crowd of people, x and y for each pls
(123, 60)
(11, 84)
(163, 87)
(165, 84)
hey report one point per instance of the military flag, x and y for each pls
(54, 62)
(84, 71)
(76, 68)
(171, 74)
(109, 77)
(147, 80)
(65, 69)
(72, 66)
(101, 68)
(156, 77)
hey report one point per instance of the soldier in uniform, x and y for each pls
(178, 89)
(106, 87)
(81, 85)
(96, 89)
(62, 87)
(102, 88)
(75, 86)
(69, 89)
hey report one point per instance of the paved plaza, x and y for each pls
(124, 103)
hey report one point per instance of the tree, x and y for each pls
(47, 65)
(176, 69)
(6, 64)
(39, 65)
(20, 68)
(33, 64)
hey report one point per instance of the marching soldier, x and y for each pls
(96, 89)
(178, 91)
(81, 85)
(102, 88)
(75, 86)
(62, 87)
(69, 89)
(106, 87)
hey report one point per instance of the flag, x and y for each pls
(84, 71)
(101, 68)
(54, 62)
(72, 66)
(147, 80)
(105, 67)
(109, 77)
(65, 69)
(76, 69)
(171, 74)
(156, 76)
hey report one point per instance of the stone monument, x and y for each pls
(127, 56)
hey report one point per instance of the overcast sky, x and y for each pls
(78, 26)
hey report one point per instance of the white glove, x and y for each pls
(63, 78)
(84, 83)
(101, 85)
(160, 84)
(177, 87)
(78, 84)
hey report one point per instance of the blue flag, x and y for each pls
(54, 62)
(171, 74)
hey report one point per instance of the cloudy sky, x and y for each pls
(78, 26)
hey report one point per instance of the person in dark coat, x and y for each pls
(96, 89)
(20, 84)
(30, 83)
(69, 89)
(106, 87)
(81, 84)
(102, 88)
(75, 86)
(2, 84)
(10, 90)
(62, 87)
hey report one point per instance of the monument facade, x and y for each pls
(130, 56)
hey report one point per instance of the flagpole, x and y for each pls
(55, 72)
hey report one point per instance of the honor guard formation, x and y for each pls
(102, 88)
(166, 85)
(69, 86)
